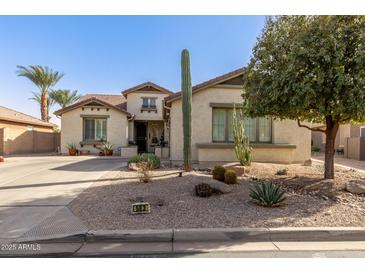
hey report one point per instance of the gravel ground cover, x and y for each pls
(107, 203)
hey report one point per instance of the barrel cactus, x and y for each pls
(186, 92)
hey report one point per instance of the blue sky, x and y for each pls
(106, 54)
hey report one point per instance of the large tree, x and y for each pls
(37, 97)
(44, 78)
(64, 97)
(310, 69)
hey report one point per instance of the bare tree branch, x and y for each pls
(310, 128)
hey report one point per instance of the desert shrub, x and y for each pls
(267, 194)
(152, 159)
(218, 173)
(135, 159)
(281, 172)
(203, 190)
(149, 158)
(230, 177)
(144, 172)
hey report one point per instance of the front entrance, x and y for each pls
(141, 136)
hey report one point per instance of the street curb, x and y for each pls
(285, 234)
(152, 235)
(320, 234)
(221, 234)
(60, 238)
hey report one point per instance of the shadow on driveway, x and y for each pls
(97, 164)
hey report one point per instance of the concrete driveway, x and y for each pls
(35, 188)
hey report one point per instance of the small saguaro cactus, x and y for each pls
(186, 92)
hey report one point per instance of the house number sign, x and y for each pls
(140, 208)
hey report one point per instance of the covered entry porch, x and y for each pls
(150, 136)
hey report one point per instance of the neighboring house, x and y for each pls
(21, 133)
(143, 116)
(350, 141)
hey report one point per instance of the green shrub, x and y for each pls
(267, 194)
(316, 149)
(152, 159)
(149, 158)
(230, 177)
(134, 159)
(218, 173)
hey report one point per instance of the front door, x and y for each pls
(141, 136)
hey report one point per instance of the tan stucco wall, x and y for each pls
(128, 151)
(18, 139)
(72, 127)
(285, 131)
(277, 155)
(134, 104)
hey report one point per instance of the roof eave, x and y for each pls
(196, 88)
(82, 103)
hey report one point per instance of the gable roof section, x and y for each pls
(147, 86)
(209, 83)
(11, 115)
(116, 102)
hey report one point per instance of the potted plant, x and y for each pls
(72, 150)
(108, 149)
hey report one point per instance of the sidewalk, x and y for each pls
(344, 162)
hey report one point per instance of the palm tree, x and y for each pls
(44, 78)
(64, 97)
(38, 98)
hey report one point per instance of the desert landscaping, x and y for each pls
(310, 200)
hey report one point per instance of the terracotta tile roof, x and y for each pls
(146, 84)
(116, 102)
(7, 114)
(209, 83)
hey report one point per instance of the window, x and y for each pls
(145, 102)
(149, 102)
(94, 129)
(257, 129)
(152, 102)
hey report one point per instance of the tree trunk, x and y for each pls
(331, 131)
(44, 107)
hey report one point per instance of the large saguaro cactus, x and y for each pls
(186, 92)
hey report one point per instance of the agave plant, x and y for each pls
(107, 146)
(71, 146)
(267, 194)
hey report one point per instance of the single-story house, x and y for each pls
(148, 118)
(350, 141)
(21, 134)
